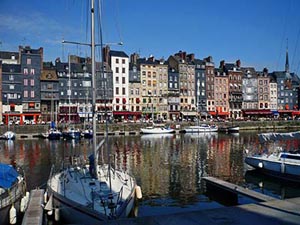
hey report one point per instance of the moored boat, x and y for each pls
(54, 134)
(92, 193)
(157, 129)
(233, 129)
(13, 198)
(279, 163)
(201, 128)
(71, 133)
(9, 135)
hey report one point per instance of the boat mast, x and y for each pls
(69, 91)
(94, 87)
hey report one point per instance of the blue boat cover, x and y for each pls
(8, 175)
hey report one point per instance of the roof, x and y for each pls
(8, 55)
(49, 74)
(118, 54)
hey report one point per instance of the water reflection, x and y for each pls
(169, 168)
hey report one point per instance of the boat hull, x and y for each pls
(16, 194)
(201, 129)
(157, 131)
(82, 199)
(71, 135)
(234, 129)
(74, 213)
(286, 171)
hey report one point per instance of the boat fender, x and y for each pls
(45, 197)
(49, 212)
(12, 215)
(23, 204)
(138, 192)
(56, 214)
(27, 198)
(260, 165)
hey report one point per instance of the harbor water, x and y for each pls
(168, 167)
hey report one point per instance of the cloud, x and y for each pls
(33, 26)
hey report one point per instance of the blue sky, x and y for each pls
(254, 31)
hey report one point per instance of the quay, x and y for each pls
(34, 211)
(235, 189)
(276, 212)
(268, 211)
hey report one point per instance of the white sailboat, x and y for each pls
(93, 193)
(9, 135)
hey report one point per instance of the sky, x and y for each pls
(257, 32)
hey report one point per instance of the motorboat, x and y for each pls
(87, 133)
(9, 135)
(201, 128)
(54, 134)
(157, 129)
(279, 163)
(71, 133)
(13, 198)
(233, 129)
(91, 192)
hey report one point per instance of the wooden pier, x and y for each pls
(235, 189)
(267, 211)
(34, 211)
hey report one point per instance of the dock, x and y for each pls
(235, 189)
(34, 211)
(267, 211)
(274, 212)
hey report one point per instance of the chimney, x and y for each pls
(133, 58)
(238, 63)
(222, 64)
(105, 53)
(191, 57)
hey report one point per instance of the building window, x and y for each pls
(28, 61)
(123, 61)
(117, 80)
(32, 82)
(117, 60)
(32, 71)
(123, 70)
(123, 91)
(117, 90)
(32, 94)
(117, 69)
(25, 82)
(25, 71)
(25, 94)
(11, 87)
(11, 77)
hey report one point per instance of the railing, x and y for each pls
(12, 194)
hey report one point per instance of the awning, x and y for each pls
(257, 112)
(189, 113)
(296, 113)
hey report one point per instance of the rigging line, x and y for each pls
(116, 19)
(283, 35)
(296, 46)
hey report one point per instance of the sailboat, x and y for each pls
(9, 135)
(92, 193)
